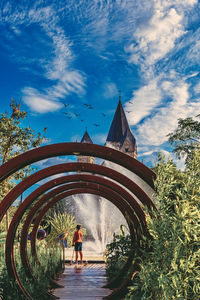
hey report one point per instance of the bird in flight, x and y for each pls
(68, 114)
(82, 120)
(88, 105)
(130, 102)
(97, 125)
(128, 111)
(76, 114)
(103, 114)
(65, 104)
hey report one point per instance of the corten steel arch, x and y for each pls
(117, 200)
(98, 190)
(16, 218)
(86, 149)
(84, 178)
(51, 193)
(106, 193)
(123, 208)
(73, 148)
(27, 182)
(68, 167)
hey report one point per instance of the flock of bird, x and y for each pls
(69, 115)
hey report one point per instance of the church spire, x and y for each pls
(85, 159)
(119, 125)
(86, 138)
(120, 136)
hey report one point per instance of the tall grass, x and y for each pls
(51, 266)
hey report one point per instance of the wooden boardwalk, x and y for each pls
(83, 283)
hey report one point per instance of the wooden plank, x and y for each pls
(83, 283)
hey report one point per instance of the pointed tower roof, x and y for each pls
(128, 136)
(86, 138)
(119, 125)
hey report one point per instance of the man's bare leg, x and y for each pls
(81, 256)
(76, 261)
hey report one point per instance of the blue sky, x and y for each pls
(83, 52)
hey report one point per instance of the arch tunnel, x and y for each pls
(94, 179)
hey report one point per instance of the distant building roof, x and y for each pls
(86, 138)
(128, 136)
(120, 131)
(119, 125)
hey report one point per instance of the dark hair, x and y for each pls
(78, 226)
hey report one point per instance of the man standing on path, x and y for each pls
(77, 241)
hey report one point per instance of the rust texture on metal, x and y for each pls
(53, 150)
(106, 193)
(46, 197)
(32, 179)
(126, 203)
(81, 177)
(89, 188)
(120, 205)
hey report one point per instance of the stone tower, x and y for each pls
(120, 136)
(85, 159)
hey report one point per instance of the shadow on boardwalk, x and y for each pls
(83, 283)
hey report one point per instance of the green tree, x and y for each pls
(15, 139)
(186, 137)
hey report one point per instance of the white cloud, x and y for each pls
(57, 66)
(180, 163)
(164, 97)
(38, 102)
(155, 128)
(154, 40)
(196, 88)
(145, 153)
(76, 138)
(143, 102)
(110, 90)
(99, 138)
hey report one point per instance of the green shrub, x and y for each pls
(51, 265)
(117, 253)
(169, 266)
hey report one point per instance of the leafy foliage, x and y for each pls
(15, 139)
(117, 253)
(62, 222)
(186, 137)
(9, 289)
(169, 266)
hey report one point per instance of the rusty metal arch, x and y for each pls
(69, 167)
(84, 178)
(121, 206)
(62, 180)
(19, 213)
(124, 208)
(71, 192)
(72, 148)
(27, 182)
(53, 150)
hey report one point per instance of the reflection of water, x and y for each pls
(101, 219)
